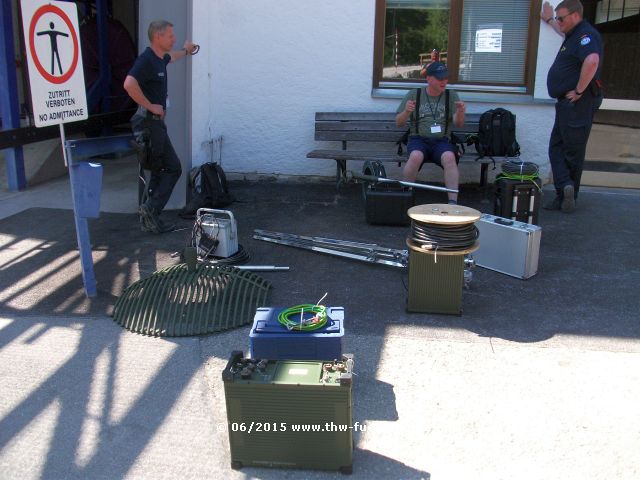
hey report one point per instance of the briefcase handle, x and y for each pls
(503, 221)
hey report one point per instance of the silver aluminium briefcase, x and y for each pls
(508, 246)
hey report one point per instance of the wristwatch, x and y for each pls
(578, 93)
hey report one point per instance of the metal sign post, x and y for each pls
(56, 77)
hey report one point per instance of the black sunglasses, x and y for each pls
(561, 19)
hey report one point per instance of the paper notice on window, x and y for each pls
(489, 40)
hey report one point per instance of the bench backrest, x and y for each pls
(369, 126)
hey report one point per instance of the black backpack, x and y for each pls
(497, 134)
(208, 188)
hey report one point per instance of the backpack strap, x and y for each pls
(446, 110)
(417, 110)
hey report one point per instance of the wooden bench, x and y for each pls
(378, 128)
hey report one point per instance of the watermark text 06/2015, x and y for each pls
(259, 427)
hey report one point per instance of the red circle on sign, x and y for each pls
(32, 27)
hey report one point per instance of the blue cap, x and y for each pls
(438, 70)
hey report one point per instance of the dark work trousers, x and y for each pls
(568, 142)
(166, 168)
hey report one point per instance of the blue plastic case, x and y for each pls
(271, 340)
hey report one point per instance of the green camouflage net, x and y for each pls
(177, 302)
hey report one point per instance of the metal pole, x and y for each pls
(82, 231)
(371, 178)
(63, 139)
(9, 105)
(261, 268)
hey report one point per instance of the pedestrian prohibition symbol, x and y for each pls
(56, 75)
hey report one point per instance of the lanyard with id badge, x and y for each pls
(435, 126)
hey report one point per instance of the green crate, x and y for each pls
(267, 399)
(435, 282)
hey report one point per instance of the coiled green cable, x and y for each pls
(308, 324)
(522, 171)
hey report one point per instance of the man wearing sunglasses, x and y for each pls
(574, 80)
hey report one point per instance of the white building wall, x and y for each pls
(548, 45)
(267, 66)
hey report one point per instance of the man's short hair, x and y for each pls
(157, 26)
(571, 5)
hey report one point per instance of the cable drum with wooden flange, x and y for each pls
(441, 236)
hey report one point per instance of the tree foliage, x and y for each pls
(419, 31)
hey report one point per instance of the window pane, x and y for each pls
(493, 43)
(631, 7)
(413, 28)
(602, 10)
(615, 10)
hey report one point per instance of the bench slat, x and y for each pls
(348, 116)
(357, 155)
(471, 118)
(358, 136)
(381, 156)
(367, 135)
(360, 126)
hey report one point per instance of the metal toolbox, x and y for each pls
(270, 339)
(290, 413)
(508, 246)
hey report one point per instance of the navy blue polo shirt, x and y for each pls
(579, 43)
(151, 73)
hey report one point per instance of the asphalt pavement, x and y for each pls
(537, 378)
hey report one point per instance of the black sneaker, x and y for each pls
(568, 200)
(553, 204)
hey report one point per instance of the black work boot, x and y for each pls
(568, 199)
(150, 221)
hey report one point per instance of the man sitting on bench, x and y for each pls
(428, 140)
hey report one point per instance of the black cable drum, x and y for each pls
(442, 227)
(443, 237)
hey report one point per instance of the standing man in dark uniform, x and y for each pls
(574, 80)
(146, 84)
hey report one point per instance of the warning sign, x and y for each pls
(56, 76)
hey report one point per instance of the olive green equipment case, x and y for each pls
(290, 413)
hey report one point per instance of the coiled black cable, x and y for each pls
(241, 256)
(434, 236)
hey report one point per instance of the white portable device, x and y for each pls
(216, 233)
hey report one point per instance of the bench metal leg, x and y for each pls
(484, 170)
(341, 172)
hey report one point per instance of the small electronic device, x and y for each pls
(215, 233)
